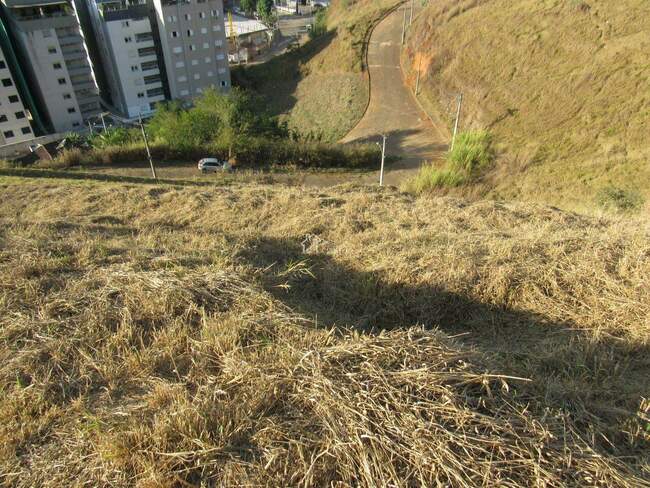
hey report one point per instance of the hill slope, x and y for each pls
(165, 335)
(564, 87)
(322, 88)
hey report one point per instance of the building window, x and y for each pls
(172, 18)
(195, 62)
(134, 68)
(204, 30)
(206, 45)
(174, 34)
(128, 39)
(207, 60)
(223, 83)
(180, 64)
(140, 95)
(3, 118)
(13, 98)
(192, 47)
(222, 71)
(71, 110)
(177, 50)
(219, 57)
(199, 90)
(20, 115)
(218, 43)
(201, 14)
(184, 93)
(190, 32)
(216, 27)
(26, 130)
(67, 96)
(188, 17)
(51, 50)
(197, 76)
(47, 33)
(125, 23)
(75, 124)
(8, 134)
(7, 82)
(215, 13)
(56, 65)
(210, 74)
(2, 65)
(61, 81)
(182, 79)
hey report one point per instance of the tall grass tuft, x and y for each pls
(471, 155)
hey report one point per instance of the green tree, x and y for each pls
(247, 6)
(265, 10)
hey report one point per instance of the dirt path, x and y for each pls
(392, 110)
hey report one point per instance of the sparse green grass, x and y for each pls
(472, 154)
(619, 199)
(168, 335)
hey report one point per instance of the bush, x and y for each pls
(471, 155)
(619, 199)
(114, 136)
(320, 24)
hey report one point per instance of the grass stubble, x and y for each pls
(261, 336)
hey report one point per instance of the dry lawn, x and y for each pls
(157, 335)
(563, 85)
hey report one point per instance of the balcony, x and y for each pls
(155, 92)
(144, 37)
(146, 51)
(152, 79)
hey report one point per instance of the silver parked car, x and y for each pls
(212, 165)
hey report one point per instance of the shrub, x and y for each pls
(114, 136)
(471, 155)
(619, 199)
(320, 24)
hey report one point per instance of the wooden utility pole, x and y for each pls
(460, 104)
(146, 145)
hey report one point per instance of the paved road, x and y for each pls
(393, 110)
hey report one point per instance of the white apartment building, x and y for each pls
(126, 41)
(194, 46)
(52, 50)
(14, 117)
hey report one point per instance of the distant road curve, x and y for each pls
(392, 109)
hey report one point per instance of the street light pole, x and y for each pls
(460, 104)
(146, 145)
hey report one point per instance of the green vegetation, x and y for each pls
(168, 335)
(556, 83)
(619, 199)
(321, 88)
(472, 154)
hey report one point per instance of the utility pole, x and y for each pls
(103, 121)
(146, 145)
(383, 158)
(90, 128)
(417, 82)
(404, 28)
(460, 103)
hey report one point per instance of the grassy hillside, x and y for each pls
(322, 88)
(170, 335)
(563, 85)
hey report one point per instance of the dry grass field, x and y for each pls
(564, 86)
(250, 335)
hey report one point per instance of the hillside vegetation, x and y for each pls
(169, 335)
(564, 87)
(321, 89)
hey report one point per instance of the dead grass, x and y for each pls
(557, 83)
(155, 335)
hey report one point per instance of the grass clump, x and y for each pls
(472, 154)
(619, 199)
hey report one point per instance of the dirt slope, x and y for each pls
(564, 86)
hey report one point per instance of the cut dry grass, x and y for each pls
(259, 336)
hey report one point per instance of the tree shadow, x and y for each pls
(597, 381)
(278, 78)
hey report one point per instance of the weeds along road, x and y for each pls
(393, 110)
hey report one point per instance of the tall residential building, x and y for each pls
(52, 52)
(127, 35)
(14, 116)
(194, 46)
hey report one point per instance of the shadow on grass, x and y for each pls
(597, 382)
(278, 78)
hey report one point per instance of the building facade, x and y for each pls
(51, 47)
(194, 47)
(126, 36)
(15, 123)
